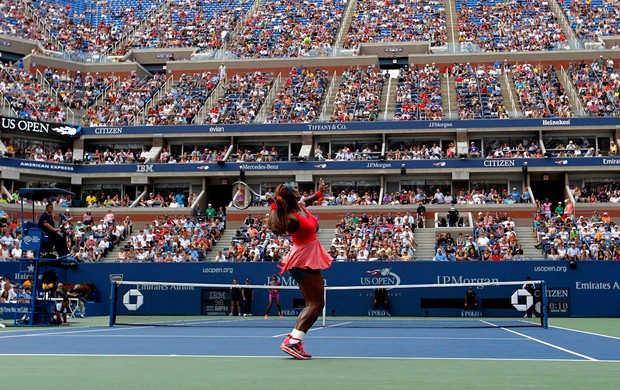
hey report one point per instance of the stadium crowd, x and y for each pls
(207, 155)
(114, 156)
(122, 105)
(243, 98)
(88, 239)
(397, 21)
(540, 93)
(478, 92)
(592, 20)
(37, 152)
(188, 23)
(418, 95)
(563, 236)
(172, 239)
(300, 99)
(26, 96)
(16, 22)
(151, 100)
(358, 96)
(292, 29)
(597, 192)
(498, 26)
(298, 28)
(374, 237)
(78, 91)
(506, 151)
(598, 84)
(96, 28)
(180, 104)
(254, 242)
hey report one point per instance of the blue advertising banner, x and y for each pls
(590, 290)
(448, 165)
(354, 126)
(36, 127)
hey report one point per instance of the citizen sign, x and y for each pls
(109, 130)
(499, 163)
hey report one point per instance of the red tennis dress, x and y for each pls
(307, 251)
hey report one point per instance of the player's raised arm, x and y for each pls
(318, 195)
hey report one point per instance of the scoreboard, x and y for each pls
(215, 301)
(558, 302)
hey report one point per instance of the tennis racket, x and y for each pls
(243, 196)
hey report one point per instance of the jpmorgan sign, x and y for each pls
(522, 300)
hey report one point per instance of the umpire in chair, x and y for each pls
(46, 223)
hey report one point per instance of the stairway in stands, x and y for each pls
(450, 105)
(325, 237)
(346, 22)
(387, 107)
(508, 89)
(221, 245)
(525, 234)
(113, 254)
(426, 244)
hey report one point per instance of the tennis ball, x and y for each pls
(307, 40)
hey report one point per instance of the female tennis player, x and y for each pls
(274, 295)
(304, 262)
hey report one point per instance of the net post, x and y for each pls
(113, 294)
(324, 321)
(544, 314)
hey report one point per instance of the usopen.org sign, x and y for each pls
(380, 277)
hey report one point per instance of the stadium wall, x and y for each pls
(592, 289)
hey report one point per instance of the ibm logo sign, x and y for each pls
(144, 168)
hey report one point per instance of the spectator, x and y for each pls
(380, 299)
(453, 217)
(7, 294)
(61, 312)
(210, 211)
(440, 255)
(77, 292)
(471, 301)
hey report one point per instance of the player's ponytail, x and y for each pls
(278, 222)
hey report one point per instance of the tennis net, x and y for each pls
(495, 304)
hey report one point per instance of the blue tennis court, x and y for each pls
(490, 343)
(153, 357)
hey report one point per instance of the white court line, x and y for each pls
(315, 329)
(60, 333)
(313, 337)
(585, 332)
(552, 345)
(288, 358)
